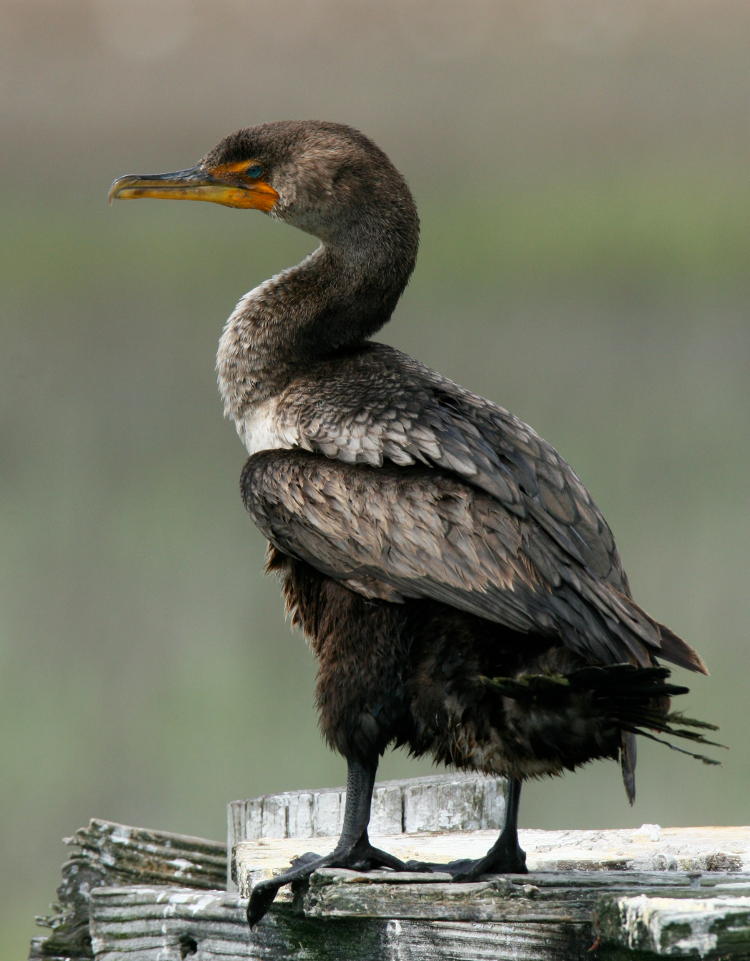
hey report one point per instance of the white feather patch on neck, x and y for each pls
(260, 429)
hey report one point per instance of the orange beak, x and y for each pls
(195, 183)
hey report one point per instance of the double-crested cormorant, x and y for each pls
(459, 587)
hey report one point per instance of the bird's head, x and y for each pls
(325, 178)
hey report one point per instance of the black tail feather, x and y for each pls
(676, 747)
(628, 758)
(637, 700)
(634, 699)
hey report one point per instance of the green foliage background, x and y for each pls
(582, 173)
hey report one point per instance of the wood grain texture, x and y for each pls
(539, 918)
(442, 803)
(450, 802)
(130, 894)
(107, 853)
(531, 899)
(717, 926)
(163, 924)
(649, 848)
(148, 855)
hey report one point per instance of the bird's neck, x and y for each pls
(329, 303)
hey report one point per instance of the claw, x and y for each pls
(260, 901)
(496, 861)
(360, 857)
(307, 858)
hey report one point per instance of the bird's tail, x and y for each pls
(638, 700)
(603, 708)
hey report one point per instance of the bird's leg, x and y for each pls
(504, 857)
(353, 849)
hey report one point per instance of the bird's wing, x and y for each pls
(417, 532)
(382, 406)
(463, 503)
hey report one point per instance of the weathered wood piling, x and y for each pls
(134, 895)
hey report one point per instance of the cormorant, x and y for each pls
(461, 590)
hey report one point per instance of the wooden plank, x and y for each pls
(349, 894)
(532, 898)
(450, 802)
(163, 924)
(107, 853)
(576, 875)
(649, 848)
(654, 892)
(669, 927)
(147, 855)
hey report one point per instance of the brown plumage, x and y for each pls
(461, 590)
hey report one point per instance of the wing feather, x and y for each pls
(382, 406)
(406, 485)
(419, 533)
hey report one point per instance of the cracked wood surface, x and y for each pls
(129, 894)
(648, 848)
(387, 917)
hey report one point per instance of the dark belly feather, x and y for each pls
(442, 682)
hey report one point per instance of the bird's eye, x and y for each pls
(255, 171)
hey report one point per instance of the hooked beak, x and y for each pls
(195, 183)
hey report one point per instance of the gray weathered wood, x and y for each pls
(644, 894)
(108, 853)
(447, 802)
(544, 919)
(648, 848)
(162, 924)
(451, 802)
(146, 855)
(532, 898)
(576, 876)
(696, 925)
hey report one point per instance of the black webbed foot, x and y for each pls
(505, 857)
(361, 856)
(500, 859)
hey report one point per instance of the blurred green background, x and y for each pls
(582, 173)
